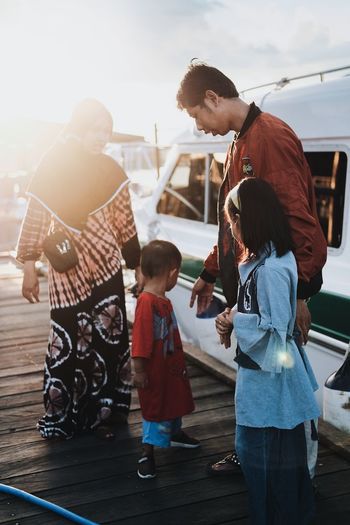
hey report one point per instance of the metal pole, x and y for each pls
(157, 150)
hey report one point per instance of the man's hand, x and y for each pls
(140, 380)
(30, 285)
(204, 293)
(303, 320)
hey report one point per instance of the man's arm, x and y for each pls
(203, 288)
(279, 159)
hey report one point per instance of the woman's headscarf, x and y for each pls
(71, 182)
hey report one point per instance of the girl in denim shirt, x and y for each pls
(275, 383)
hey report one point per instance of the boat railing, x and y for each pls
(284, 81)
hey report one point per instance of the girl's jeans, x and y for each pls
(274, 465)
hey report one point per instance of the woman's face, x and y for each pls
(95, 138)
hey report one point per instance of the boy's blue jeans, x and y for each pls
(274, 464)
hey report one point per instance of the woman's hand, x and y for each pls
(141, 380)
(30, 285)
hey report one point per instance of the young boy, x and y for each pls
(159, 363)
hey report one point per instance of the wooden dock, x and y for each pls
(97, 479)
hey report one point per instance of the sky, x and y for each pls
(132, 54)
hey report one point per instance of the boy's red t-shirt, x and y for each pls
(156, 338)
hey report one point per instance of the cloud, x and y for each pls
(64, 50)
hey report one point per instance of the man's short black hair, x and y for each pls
(158, 257)
(199, 78)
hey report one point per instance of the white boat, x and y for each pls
(182, 209)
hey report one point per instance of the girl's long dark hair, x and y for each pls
(262, 218)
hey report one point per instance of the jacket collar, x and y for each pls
(246, 267)
(253, 112)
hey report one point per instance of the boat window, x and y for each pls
(215, 178)
(328, 169)
(183, 195)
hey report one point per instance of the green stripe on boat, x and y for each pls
(329, 311)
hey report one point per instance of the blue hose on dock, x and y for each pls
(12, 491)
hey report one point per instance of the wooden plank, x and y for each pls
(41, 457)
(32, 319)
(24, 378)
(97, 478)
(29, 347)
(9, 456)
(24, 366)
(20, 437)
(334, 438)
(215, 367)
(202, 387)
(23, 361)
(331, 464)
(21, 400)
(28, 382)
(334, 511)
(216, 440)
(173, 467)
(18, 341)
(19, 300)
(24, 309)
(230, 507)
(27, 358)
(195, 371)
(135, 504)
(37, 332)
(25, 417)
(212, 448)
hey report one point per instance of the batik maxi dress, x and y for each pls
(87, 370)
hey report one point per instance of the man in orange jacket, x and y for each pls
(264, 146)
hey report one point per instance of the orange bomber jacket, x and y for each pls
(270, 149)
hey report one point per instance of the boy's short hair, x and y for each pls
(199, 78)
(158, 257)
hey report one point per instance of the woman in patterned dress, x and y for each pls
(83, 192)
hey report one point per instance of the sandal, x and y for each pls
(104, 432)
(228, 465)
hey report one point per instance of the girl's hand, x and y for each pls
(225, 340)
(140, 380)
(224, 326)
(223, 322)
(30, 285)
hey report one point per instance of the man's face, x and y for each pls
(210, 117)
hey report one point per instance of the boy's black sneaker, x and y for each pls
(146, 468)
(181, 439)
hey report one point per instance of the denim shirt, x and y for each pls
(281, 392)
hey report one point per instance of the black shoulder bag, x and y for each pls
(60, 250)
